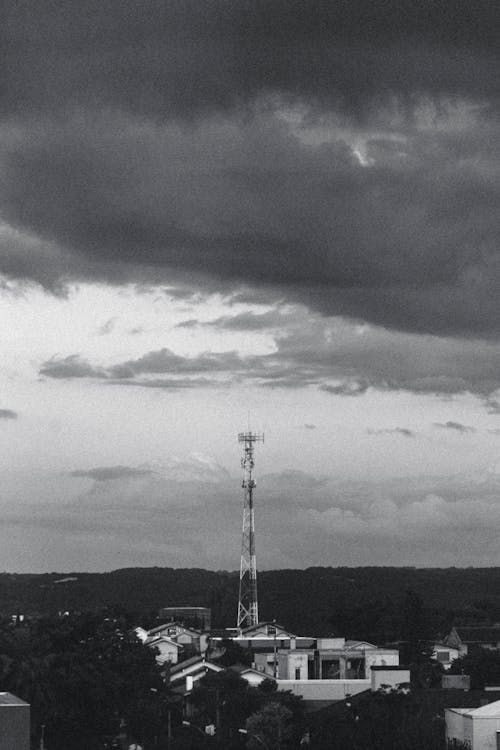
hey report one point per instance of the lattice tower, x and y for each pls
(248, 610)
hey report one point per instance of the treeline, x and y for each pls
(369, 603)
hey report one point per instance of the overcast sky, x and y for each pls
(277, 213)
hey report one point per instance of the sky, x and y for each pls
(278, 215)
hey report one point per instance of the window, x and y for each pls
(297, 673)
(443, 655)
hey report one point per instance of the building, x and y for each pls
(14, 723)
(174, 641)
(468, 639)
(475, 728)
(324, 659)
(445, 654)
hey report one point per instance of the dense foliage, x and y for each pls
(83, 676)
(359, 602)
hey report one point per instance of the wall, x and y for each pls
(454, 724)
(289, 662)
(324, 690)
(484, 732)
(380, 658)
(455, 682)
(15, 727)
(391, 677)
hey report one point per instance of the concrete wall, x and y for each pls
(391, 677)
(324, 690)
(454, 721)
(380, 658)
(291, 661)
(484, 732)
(455, 682)
(330, 643)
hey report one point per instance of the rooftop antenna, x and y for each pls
(248, 610)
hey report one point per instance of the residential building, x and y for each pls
(476, 728)
(445, 654)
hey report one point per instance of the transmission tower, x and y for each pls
(248, 610)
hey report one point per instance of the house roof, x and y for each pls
(265, 624)
(489, 710)
(175, 624)
(191, 667)
(151, 641)
(180, 666)
(243, 669)
(478, 634)
(8, 699)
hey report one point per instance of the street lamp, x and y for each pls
(255, 736)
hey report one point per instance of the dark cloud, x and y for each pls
(69, 367)
(111, 473)
(170, 384)
(404, 431)
(181, 143)
(248, 321)
(181, 58)
(409, 242)
(341, 359)
(457, 426)
(8, 414)
(350, 388)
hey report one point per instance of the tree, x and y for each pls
(270, 727)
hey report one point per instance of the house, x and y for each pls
(475, 728)
(266, 636)
(251, 675)
(326, 659)
(192, 640)
(14, 723)
(468, 639)
(168, 650)
(444, 654)
(182, 677)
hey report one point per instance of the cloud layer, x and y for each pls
(342, 155)
(337, 357)
(183, 512)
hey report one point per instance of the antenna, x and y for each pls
(248, 610)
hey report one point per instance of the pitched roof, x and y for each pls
(8, 699)
(490, 709)
(187, 663)
(175, 624)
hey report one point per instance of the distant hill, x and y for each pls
(314, 601)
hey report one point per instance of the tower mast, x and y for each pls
(248, 610)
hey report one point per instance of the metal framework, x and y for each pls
(248, 610)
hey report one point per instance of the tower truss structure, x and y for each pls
(248, 609)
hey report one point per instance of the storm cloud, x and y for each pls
(344, 155)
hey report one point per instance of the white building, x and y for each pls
(476, 728)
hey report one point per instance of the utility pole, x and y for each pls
(248, 611)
